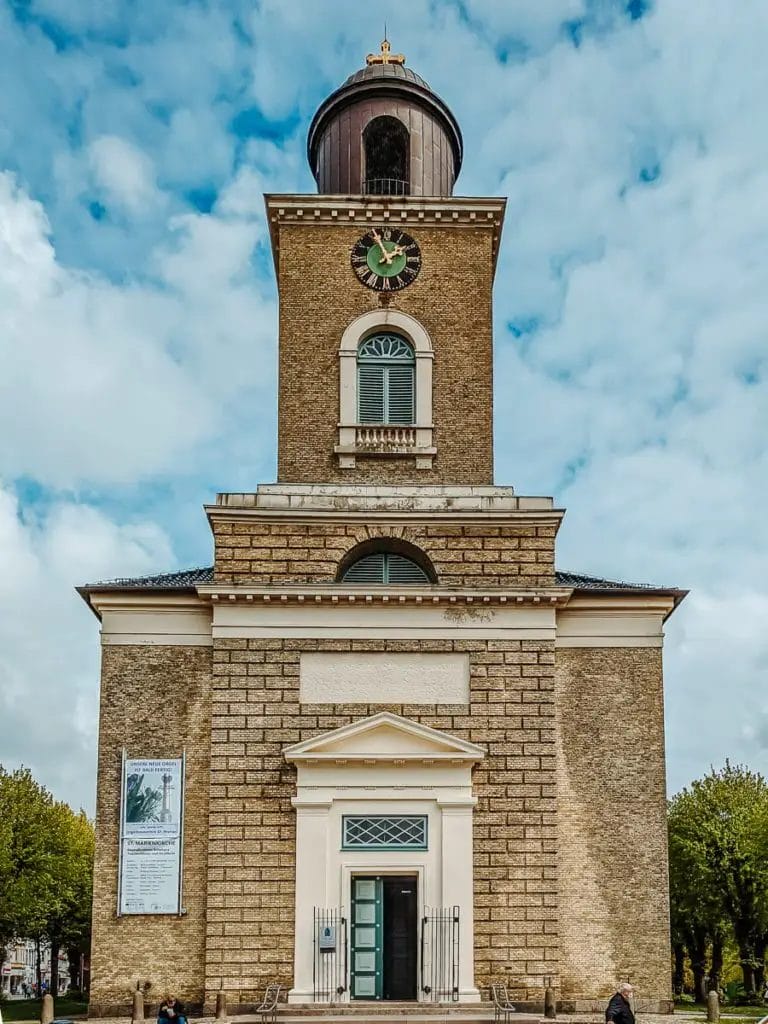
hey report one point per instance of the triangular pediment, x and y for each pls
(384, 737)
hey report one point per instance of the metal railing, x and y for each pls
(386, 187)
(440, 954)
(329, 963)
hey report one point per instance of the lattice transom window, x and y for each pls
(384, 832)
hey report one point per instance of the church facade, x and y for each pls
(417, 758)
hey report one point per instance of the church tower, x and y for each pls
(405, 757)
(385, 282)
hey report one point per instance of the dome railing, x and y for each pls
(386, 187)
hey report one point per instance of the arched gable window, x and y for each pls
(386, 560)
(384, 567)
(385, 380)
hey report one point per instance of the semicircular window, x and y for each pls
(385, 567)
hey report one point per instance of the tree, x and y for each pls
(46, 868)
(67, 922)
(719, 868)
(25, 858)
(698, 914)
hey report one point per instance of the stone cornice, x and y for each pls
(310, 503)
(336, 594)
(405, 210)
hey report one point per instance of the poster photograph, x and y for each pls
(151, 836)
(152, 798)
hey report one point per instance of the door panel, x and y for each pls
(400, 937)
(367, 916)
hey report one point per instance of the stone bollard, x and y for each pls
(46, 1009)
(221, 1005)
(550, 1003)
(137, 1010)
(713, 1007)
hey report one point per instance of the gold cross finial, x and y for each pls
(385, 57)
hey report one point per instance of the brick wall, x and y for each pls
(154, 702)
(251, 862)
(612, 847)
(258, 551)
(320, 296)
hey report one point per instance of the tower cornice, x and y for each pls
(411, 211)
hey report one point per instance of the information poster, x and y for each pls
(151, 836)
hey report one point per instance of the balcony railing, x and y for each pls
(386, 187)
(386, 438)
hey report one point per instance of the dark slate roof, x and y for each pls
(189, 578)
(579, 581)
(379, 71)
(184, 580)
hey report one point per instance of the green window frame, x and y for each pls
(384, 832)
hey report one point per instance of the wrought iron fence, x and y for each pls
(440, 954)
(329, 964)
(386, 187)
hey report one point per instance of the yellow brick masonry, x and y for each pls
(155, 701)
(320, 296)
(251, 859)
(612, 838)
(257, 551)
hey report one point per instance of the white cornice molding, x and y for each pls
(519, 513)
(410, 211)
(337, 594)
(134, 599)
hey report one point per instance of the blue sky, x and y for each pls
(138, 307)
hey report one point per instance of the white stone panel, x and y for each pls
(330, 677)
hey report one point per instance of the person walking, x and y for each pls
(619, 1009)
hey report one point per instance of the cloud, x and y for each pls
(49, 669)
(126, 174)
(115, 383)
(138, 313)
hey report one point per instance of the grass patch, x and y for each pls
(29, 1009)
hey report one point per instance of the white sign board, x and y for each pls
(151, 829)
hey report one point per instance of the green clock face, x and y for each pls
(386, 259)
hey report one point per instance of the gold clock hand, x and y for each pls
(386, 256)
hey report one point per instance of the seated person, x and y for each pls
(171, 1010)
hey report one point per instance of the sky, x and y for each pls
(138, 310)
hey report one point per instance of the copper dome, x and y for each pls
(337, 148)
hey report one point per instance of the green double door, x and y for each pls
(383, 939)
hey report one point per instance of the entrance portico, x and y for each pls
(381, 799)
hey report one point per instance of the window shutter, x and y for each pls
(366, 570)
(400, 394)
(383, 567)
(370, 393)
(403, 570)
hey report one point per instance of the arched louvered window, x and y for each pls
(385, 380)
(385, 567)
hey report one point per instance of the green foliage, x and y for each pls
(734, 992)
(46, 864)
(718, 845)
(29, 1009)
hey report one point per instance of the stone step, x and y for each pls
(369, 1015)
(391, 1008)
